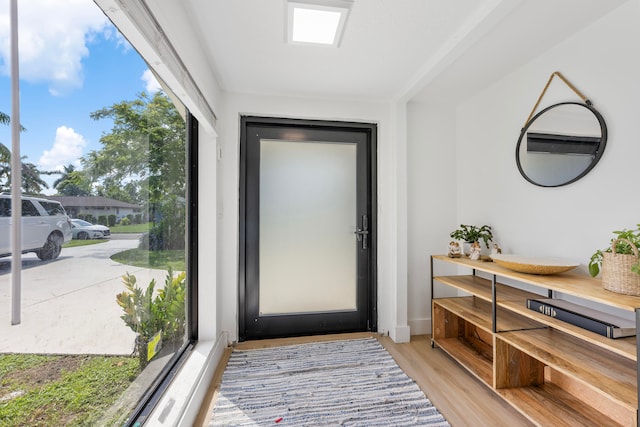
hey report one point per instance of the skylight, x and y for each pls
(316, 22)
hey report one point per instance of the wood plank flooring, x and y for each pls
(461, 398)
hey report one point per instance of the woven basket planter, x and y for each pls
(616, 271)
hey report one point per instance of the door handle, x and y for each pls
(362, 234)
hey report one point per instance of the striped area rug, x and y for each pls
(350, 383)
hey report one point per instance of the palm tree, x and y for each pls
(5, 166)
(5, 119)
(5, 154)
(71, 182)
(31, 181)
(64, 175)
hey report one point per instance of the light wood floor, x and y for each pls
(461, 398)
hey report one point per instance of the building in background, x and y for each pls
(97, 206)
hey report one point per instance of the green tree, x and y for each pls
(72, 182)
(5, 166)
(5, 156)
(145, 148)
(142, 160)
(111, 188)
(32, 183)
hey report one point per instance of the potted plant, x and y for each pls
(471, 233)
(619, 263)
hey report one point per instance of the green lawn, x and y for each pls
(75, 390)
(152, 259)
(38, 390)
(133, 228)
(76, 242)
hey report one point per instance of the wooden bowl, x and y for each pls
(534, 265)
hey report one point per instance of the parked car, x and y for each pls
(45, 226)
(84, 230)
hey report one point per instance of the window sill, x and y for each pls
(182, 400)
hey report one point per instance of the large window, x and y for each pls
(105, 279)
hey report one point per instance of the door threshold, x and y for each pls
(277, 342)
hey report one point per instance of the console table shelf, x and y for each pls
(514, 300)
(570, 283)
(553, 372)
(611, 375)
(559, 408)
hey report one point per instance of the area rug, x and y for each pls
(350, 383)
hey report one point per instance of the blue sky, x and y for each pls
(72, 62)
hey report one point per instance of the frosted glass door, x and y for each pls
(307, 249)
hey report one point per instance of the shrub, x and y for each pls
(125, 221)
(147, 315)
(112, 220)
(169, 231)
(144, 241)
(102, 220)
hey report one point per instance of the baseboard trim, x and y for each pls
(400, 334)
(420, 326)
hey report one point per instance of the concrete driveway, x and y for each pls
(69, 304)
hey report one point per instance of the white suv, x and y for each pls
(45, 226)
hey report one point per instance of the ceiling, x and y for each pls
(391, 49)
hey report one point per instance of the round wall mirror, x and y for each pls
(561, 144)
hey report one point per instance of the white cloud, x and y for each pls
(151, 84)
(53, 38)
(67, 149)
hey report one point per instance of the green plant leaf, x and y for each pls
(621, 247)
(472, 233)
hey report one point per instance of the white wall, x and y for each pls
(431, 185)
(208, 230)
(572, 221)
(576, 219)
(236, 105)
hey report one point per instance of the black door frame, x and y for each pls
(244, 234)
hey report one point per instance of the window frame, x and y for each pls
(157, 388)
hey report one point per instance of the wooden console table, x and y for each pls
(554, 373)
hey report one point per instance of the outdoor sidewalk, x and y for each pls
(69, 305)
